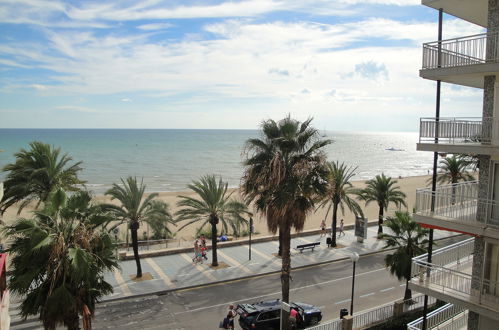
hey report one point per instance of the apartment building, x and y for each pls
(465, 274)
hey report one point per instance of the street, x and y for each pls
(326, 286)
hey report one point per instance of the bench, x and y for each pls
(308, 246)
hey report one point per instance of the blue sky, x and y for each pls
(350, 64)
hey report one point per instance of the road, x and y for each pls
(327, 286)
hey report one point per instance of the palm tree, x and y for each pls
(36, 173)
(284, 176)
(453, 170)
(59, 258)
(409, 241)
(213, 206)
(383, 191)
(134, 208)
(339, 188)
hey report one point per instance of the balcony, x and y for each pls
(464, 61)
(459, 135)
(472, 11)
(448, 277)
(457, 207)
(448, 317)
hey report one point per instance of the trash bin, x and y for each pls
(343, 312)
(329, 241)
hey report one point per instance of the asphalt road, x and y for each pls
(327, 286)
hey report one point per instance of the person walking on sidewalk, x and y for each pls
(341, 230)
(203, 247)
(323, 228)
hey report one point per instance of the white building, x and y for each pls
(466, 274)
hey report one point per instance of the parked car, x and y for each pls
(265, 315)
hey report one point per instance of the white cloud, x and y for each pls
(126, 100)
(155, 26)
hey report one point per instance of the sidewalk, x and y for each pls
(177, 271)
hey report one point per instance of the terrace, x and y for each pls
(459, 135)
(457, 207)
(463, 60)
(448, 277)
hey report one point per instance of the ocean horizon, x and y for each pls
(170, 159)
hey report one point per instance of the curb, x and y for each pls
(166, 291)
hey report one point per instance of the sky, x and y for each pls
(350, 64)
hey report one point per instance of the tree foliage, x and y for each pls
(409, 240)
(339, 189)
(59, 258)
(285, 175)
(136, 207)
(212, 205)
(382, 191)
(36, 173)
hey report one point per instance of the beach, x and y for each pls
(408, 185)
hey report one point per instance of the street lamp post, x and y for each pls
(354, 257)
(250, 232)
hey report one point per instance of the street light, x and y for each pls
(250, 232)
(354, 257)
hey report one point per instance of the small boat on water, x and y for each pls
(394, 149)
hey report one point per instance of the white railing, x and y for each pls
(445, 277)
(470, 50)
(372, 316)
(446, 317)
(459, 130)
(331, 325)
(452, 255)
(458, 202)
(376, 314)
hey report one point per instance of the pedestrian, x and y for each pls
(323, 228)
(228, 322)
(203, 247)
(292, 318)
(198, 257)
(232, 311)
(341, 229)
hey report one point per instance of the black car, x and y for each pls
(266, 315)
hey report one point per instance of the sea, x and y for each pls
(170, 159)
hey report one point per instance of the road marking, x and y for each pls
(273, 259)
(198, 267)
(367, 295)
(278, 293)
(234, 262)
(121, 283)
(402, 285)
(387, 289)
(342, 302)
(159, 271)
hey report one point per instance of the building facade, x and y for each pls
(466, 274)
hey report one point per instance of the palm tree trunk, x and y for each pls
(72, 321)
(279, 250)
(380, 220)
(214, 257)
(135, 246)
(333, 227)
(285, 271)
(408, 292)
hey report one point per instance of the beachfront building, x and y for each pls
(466, 274)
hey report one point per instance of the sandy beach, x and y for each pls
(407, 184)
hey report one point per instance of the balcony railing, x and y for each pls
(457, 202)
(459, 130)
(476, 49)
(448, 317)
(446, 277)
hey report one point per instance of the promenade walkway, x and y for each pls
(177, 271)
